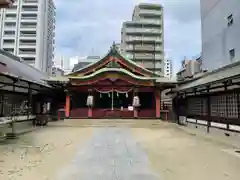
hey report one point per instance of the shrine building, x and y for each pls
(113, 87)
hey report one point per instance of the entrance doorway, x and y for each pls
(112, 100)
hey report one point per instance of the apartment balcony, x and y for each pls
(10, 19)
(9, 28)
(28, 36)
(29, 19)
(9, 36)
(28, 28)
(29, 11)
(143, 31)
(144, 56)
(150, 12)
(152, 65)
(8, 45)
(150, 21)
(27, 45)
(27, 56)
(10, 11)
(30, 2)
(144, 39)
(144, 48)
(27, 53)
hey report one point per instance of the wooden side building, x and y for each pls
(212, 100)
(24, 91)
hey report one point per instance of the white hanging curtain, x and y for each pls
(136, 101)
(90, 101)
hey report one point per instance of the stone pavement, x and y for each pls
(111, 154)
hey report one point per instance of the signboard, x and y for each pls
(130, 108)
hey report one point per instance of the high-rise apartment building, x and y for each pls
(220, 32)
(27, 30)
(142, 38)
(168, 69)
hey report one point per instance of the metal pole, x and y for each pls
(112, 99)
(2, 105)
(14, 115)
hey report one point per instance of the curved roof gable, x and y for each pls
(118, 70)
(110, 56)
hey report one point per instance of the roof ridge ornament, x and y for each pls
(114, 48)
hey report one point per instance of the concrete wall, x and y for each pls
(217, 37)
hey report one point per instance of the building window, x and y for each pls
(232, 54)
(230, 20)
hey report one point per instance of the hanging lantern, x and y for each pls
(136, 101)
(108, 94)
(100, 95)
(117, 94)
(126, 95)
(90, 101)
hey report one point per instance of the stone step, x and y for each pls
(108, 123)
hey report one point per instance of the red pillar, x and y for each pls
(67, 106)
(135, 113)
(158, 103)
(90, 112)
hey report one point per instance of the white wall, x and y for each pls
(217, 37)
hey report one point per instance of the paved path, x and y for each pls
(111, 154)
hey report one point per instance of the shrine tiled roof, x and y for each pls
(65, 79)
(17, 68)
(114, 51)
(120, 70)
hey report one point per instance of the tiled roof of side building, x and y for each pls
(224, 73)
(18, 68)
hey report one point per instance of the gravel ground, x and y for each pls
(177, 155)
(39, 155)
(163, 153)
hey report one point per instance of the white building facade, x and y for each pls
(62, 62)
(83, 62)
(168, 68)
(56, 71)
(220, 32)
(142, 38)
(189, 69)
(27, 30)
